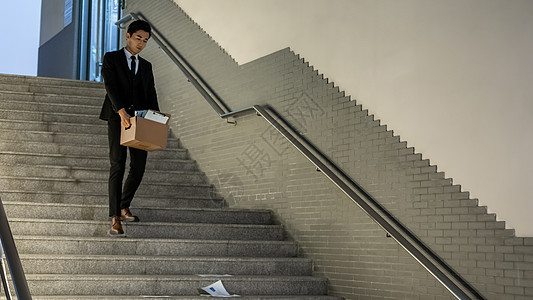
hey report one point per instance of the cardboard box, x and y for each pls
(144, 134)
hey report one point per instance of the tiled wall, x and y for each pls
(252, 166)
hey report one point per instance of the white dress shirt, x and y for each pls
(128, 57)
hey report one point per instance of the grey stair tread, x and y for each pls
(61, 137)
(102, 198)
(154, 247)
(94, 180)
(92, 109)
(87, 173)
(154, 162)
(50, 98)
(58, 88)
(48, 136)
(138, 224)
(245, 297)
(143, 258)
(80, 150)
(10, 114)
(194, 278)
(100, 169)
(94, 185)
(54, 89)
(19, 209)
(24, 79)
(27, 153)
(138, 207)
(35, 98)
(51, 127)
(22, 226)
(21, 115)
(164, 265)
(173, 285)
(20, 91)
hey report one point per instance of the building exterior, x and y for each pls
(74, 36)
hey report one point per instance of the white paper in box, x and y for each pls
(156, 116)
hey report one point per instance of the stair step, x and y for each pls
(52, 137)
(86, 161)
(164, 265)
(82, 150)
(91, 186)
(31, 115)
(146, 214)
(102, 198)
(64, 245)
(27, 80)
(53, 127)
(263, 297)
(49, 227)
(93, 109)
(55, 284)
(50, 98)
(58, 90)
(78, 173)
(62, 137)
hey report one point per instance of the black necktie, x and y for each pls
(132, 66)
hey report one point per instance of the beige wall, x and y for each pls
(453, 78)
(51, 19)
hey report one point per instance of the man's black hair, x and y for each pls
(139, 25)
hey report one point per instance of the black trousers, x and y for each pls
(119, 198)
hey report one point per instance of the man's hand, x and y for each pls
(124, 117)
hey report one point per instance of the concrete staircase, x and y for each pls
(53, 182)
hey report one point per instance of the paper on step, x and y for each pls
(217, 289)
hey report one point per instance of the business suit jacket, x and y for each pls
(119, 84)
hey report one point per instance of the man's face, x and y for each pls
(136, 42)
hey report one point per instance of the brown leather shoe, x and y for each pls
(116, 227)
(127, 216)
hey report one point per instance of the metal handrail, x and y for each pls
(13, 260)
(451, 280)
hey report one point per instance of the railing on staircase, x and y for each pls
(7, 247)
(451, 280)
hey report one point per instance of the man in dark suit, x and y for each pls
(129, 83)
